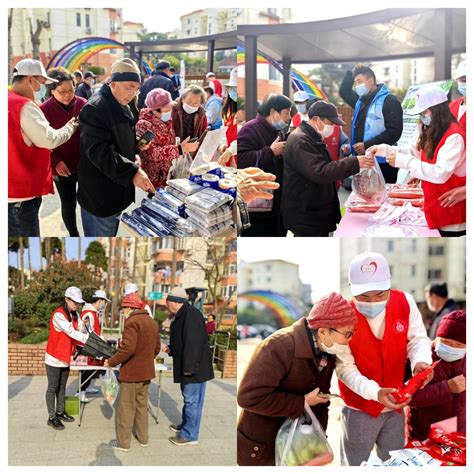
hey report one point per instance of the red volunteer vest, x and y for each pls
(454, 106)
(333, 143)
(29, 167)
(296, 120)
(380, 360)
(96, 327)
(59, 345)
(437, 216)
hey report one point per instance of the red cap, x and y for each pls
(132, 301)
(331, 311)
(453, 326)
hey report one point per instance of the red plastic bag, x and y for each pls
(414, 384)
(455, 439)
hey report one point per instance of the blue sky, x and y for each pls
(71, 251)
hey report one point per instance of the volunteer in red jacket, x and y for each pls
(60, 347)
(61, 107)
(131, 288)
(301, 100)
(214, 83)
(90, 318)
(30, 139)
(389, 330)
(438, 159)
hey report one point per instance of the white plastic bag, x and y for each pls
(180, 167)
(369, 184)
(302, 442)
(109, 386)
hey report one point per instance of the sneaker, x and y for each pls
(178, 441)
(64, 417)
(56, 423)
(143, 445)
(115, 445)
(83, 398)
(92, 390)
(175, 428)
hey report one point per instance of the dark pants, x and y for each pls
(95, 226)
(23, 220)
(389, 172)
(447, 233)
(315, 233)
(264, 225)
(67, 190)
(132, 413)
(56, 392)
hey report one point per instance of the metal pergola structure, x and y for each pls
(209, 44)
(390, 34)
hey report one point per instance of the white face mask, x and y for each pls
(39, 95)
(371, 309)
(190, 110)
(336, 348)
(165, 116)
(327, 130)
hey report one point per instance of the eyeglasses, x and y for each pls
(347, 334)
(66, 92)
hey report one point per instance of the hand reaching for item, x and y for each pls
(420, 366)
(252, 183)
(140, 180)
(278, 147)
(62, 169)
(188, 147)
(388, 401)
(312, 398)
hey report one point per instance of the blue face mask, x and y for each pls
(448, 353)
(165, 116)
(301, 108)
(39, 95)
(462, 88)
(279, 125)
(371, 310)
(362, 90)
(426, 119)
(233, 94)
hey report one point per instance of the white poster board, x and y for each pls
(182, 75)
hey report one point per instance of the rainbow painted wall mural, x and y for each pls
(286, 312)
(300, 81)
(78, 52)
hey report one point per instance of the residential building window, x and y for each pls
(229, 291)
(390, 246)
(88, 21)
(413, 270)
(274, 74)
(78, 19)
(435, 274)
(188, 32)
(436, 250)
(413, 245)
(189, 21)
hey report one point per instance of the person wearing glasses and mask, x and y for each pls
(310, 202)
(390, 330)
(108, 169)
(30, 141)
(61, 107)
(291, 367)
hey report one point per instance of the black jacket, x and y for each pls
(449, 306)
(189, 347)
(309, 201)
(392, 114)
(159, 79)
(84, 90)
(107, 164)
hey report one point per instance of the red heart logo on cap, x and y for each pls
(369, 268)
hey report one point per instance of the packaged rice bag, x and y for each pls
(369, 184)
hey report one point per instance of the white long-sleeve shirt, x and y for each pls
(36, 130)
(418, 350)
(61, 324)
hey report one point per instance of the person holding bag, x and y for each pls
(291, 367)
(438, 159)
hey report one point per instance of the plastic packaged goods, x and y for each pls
(184, 186)
(357, 204)
(302, 442)
(404, 191)
(138, 227)
(369, 184)
(221, 214)
(414, 384)
(171, 202)
(208, 199)
(196, 179)
(213, 230)
(402, 201)
(174, 192)
(109, 386)
(203, 168)
(228, 170)
(411, 457)
(150, 221)
(167, 218)
(210, 181)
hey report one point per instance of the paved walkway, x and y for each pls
(32, 442)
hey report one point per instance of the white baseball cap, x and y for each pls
(100, 294)
(130, 288)
(300, 96)
(75, 294)
(461, 70)
(369, 272)
(234, 75)
(427, 97)
(32, 67)
(210, 74)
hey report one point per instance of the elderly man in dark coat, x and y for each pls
(136, 354)
(192, 364)
(289, 368)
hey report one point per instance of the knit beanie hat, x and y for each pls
(125, 70)
(331, 311)
(177, 295)
(158, 98)
(453, 326)
(132, 301)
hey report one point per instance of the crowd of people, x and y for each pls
(70, 328)
(373, 344)
(301, 143)
(97, 144)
